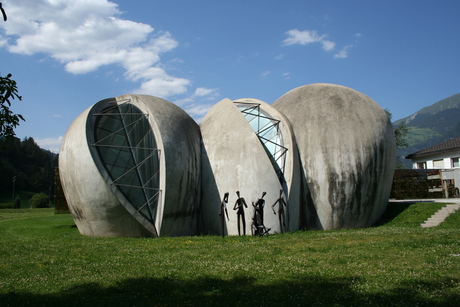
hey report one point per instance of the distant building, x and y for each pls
(445, 158)
(442, 156)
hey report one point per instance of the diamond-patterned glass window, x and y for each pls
(127, 148)
(268, 131)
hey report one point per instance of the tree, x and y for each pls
(40, 200)
(17, 202)
(400, 137)
(8, 120)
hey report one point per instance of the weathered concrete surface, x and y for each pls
(95, 203)
(295, 215)
(347, 150)
(94, 208)
(235, 160)
(179, 139)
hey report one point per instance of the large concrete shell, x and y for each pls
(138, 165)
(236, 159)
(100, 202)
(347, 150)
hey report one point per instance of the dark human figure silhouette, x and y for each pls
(281, 204)
(258, 218)
(3, 12)
(239, 205)
(223, 211)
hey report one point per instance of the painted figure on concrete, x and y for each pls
(281, 204)
(239, 206)
(223, 211)
(258, 217)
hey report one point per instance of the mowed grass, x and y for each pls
(46, 262)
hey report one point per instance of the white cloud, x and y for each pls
(201, 94)
(198, 111)
(3, 42)
(328, 45)
(202, 91)
(279, 57)
(197, 104)
(84, 35)
(163, 86)
(342, 54)
(296, 37)
(302, 37)
(52, 144)
(265, 73)
(311, 36)
(287, 75)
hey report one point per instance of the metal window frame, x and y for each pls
(104, 108)
(272, 123)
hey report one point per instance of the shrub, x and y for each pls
(17, 202)
(40, 200)
(5, 205)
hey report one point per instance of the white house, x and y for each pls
(441, 156)
(444, 156)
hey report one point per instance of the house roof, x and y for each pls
(450, 145)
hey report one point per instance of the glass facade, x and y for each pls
(127, 148)
(269, 134)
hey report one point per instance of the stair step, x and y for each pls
(440, 216)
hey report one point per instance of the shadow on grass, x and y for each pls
(242, 291)
(392, 211)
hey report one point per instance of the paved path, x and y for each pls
(430, 200)
(441, 215)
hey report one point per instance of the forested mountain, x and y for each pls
(430, 126)
(32, 167)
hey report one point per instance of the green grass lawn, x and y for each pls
(44, 261)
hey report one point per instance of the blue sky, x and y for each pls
(67, 55)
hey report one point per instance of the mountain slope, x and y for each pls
(452, 102)
(431, 125)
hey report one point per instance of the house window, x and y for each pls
(438, 163)
(421, 165)
(455, 162)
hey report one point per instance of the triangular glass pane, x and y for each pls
(266, 128)
(127, 148)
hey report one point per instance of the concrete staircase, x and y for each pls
(441, 215)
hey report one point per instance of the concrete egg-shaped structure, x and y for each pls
(347, 150)
(248, 149)
(321, 157)
(131, 166)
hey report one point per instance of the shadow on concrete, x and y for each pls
(241, 291)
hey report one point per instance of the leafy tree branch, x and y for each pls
(400, 137)
(8, 120)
